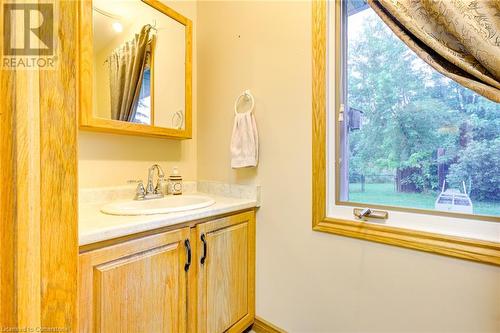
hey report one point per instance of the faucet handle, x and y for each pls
(140, 191)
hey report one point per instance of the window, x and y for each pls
(143, 113)
(392, 134)
(412, 137)
(144, 105)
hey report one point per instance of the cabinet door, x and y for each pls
(137, 286)
(226, 278)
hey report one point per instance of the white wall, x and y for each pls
(309, 281)
(110, 159)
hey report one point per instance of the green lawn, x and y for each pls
(384, 194)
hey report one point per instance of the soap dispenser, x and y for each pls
(175, 182)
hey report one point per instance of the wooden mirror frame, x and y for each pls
(87, 120)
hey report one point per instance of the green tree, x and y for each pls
(410, 110)
(389, 83)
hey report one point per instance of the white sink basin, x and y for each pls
(167, 204)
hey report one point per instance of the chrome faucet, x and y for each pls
(161, 176)
(151, 191)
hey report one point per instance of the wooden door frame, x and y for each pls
(38, 197)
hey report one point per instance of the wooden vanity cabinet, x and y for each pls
(226, 274)
(136, 286)
(145, 285)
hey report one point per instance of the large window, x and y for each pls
(412, 137)
(393, 135)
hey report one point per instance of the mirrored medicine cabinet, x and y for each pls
(135, 68)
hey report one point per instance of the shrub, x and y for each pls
(478, 164)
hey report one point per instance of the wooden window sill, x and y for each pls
(464, 248)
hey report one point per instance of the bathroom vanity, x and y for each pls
(190, 271)
(150, 267)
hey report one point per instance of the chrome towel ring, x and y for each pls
(248, 96)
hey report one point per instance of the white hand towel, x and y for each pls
(244, 141)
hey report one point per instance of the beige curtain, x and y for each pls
(459, 38)
(126, 68)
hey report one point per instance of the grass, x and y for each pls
(384, 194)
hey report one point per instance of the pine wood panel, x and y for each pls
(59, 175)
(8, 315)
(39, 194)
(136, 286)
(226, 281)
(459, 247)
(139, 293)
(27, 191)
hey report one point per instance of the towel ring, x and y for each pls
(248, 95)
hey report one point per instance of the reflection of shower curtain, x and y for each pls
(126, 67)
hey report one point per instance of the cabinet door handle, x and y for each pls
(188, 249)
(205, 250)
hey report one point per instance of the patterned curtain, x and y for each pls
(126, 68)
(458, 38)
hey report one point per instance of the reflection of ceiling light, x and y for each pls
(117, 26)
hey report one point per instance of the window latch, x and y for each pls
(365, 213)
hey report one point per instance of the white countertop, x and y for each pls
(94, 226)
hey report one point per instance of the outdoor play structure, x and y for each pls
(452, 200)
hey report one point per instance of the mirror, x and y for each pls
(140, 68)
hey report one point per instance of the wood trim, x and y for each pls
(187, 132)
(488, 218)
(188, 121)
(85, 65)
(242, 324)
(39, 241)
(158, 5)
(458, 247)
(262, 326)
(95, 124)
(8, 313)
(152, 45)
(319, 72)
(88, 121)
(464, 248)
